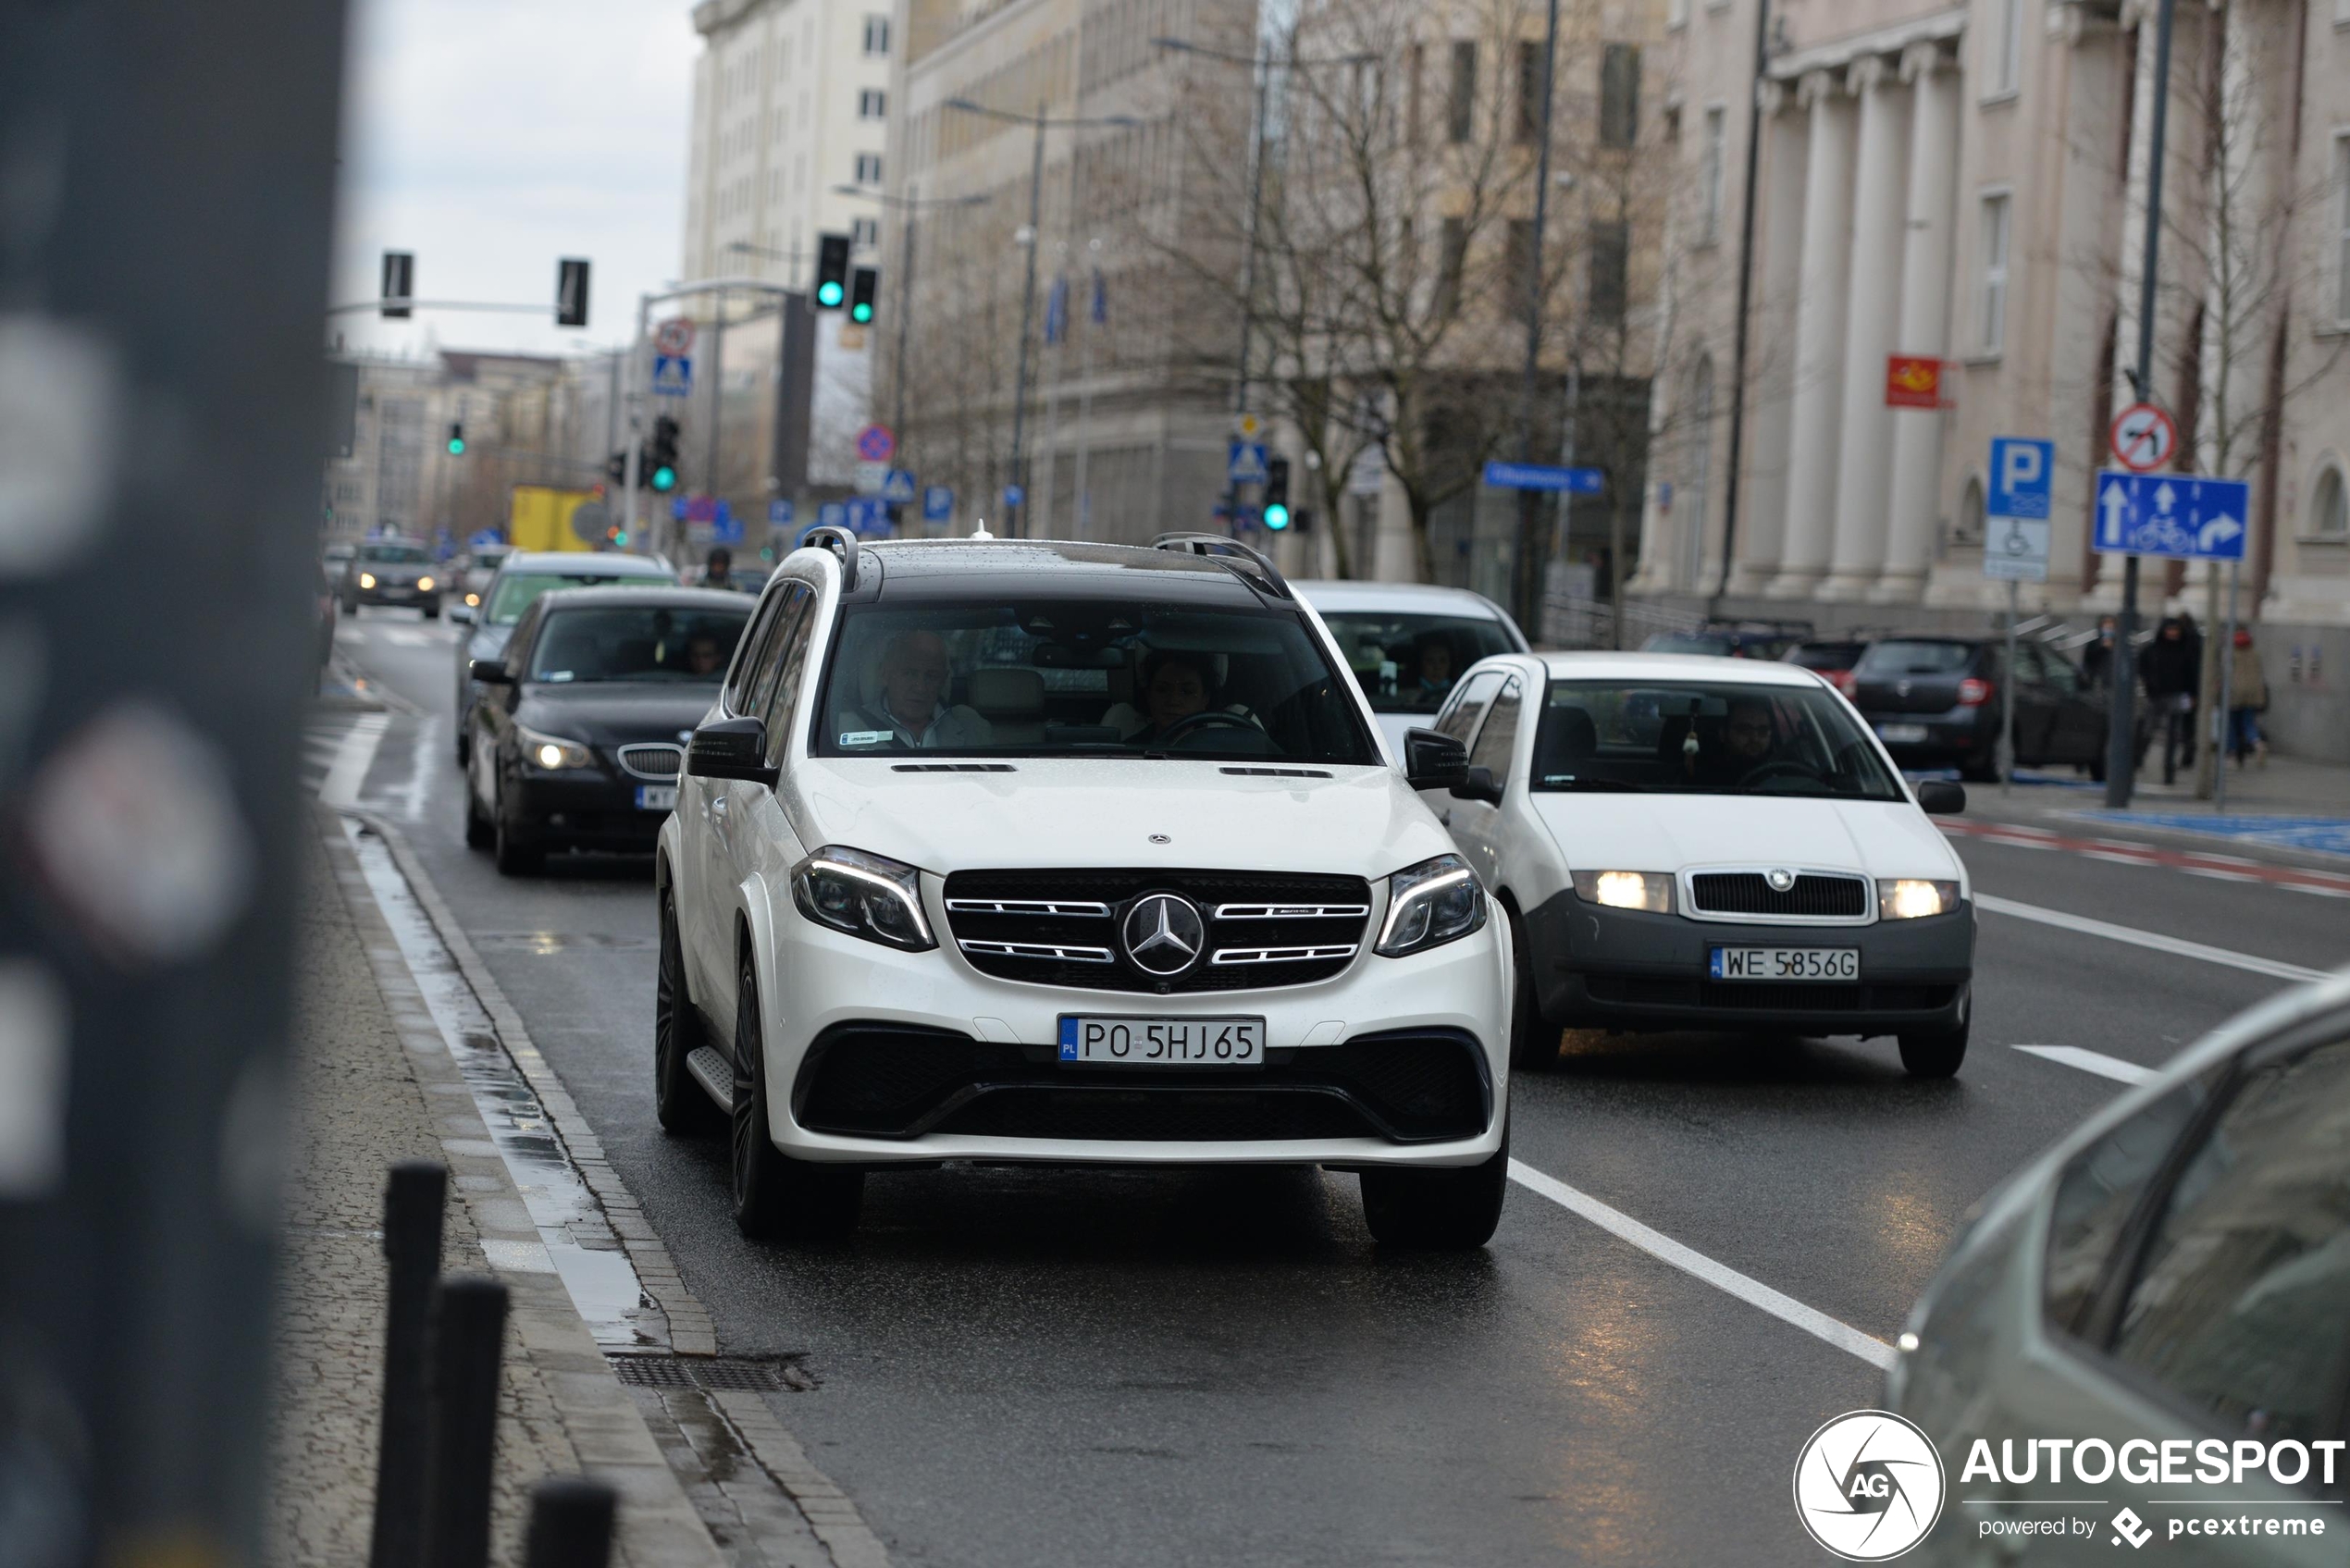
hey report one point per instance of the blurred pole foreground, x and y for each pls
(414, 1196)
(167, 179)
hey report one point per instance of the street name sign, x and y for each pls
(2179, 515)
(938, 503)
(2015, 532)
(2143, 437)
(672, 376)
(1542, 477)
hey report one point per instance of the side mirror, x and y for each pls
(1941, 797)
(490, 672)
(462, 613)
(731, 748)
(1479, 785)
(1433, 759)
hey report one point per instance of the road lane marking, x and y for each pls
(2120, 851)
(2156, 941)
(2095, 1062)
(353, 754)
(1786, 1308)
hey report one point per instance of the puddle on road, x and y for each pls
(580, 1244)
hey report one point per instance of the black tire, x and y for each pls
(1980, 770)
(479, 834)
(1936, 1054)
(1437, 1211)
(2096, 767)
(517, 854)
(465, 748)
(774, 1195)
(432, 612)
(679, 1102)
(1534, 1040)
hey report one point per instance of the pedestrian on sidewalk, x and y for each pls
(2247, 699)
(2097, 659)
(2171, 672)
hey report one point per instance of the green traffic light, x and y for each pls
(828, 294)
(861, 313)
(1277, 517)
(664, 477)
(456, 446)
(620, 537)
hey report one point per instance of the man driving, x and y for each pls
(1434, 658)
(1749, 738)
(914, 673)
(704, 657)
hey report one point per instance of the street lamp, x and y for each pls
(909, 204)
(1015, 516)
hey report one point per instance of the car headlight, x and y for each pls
(867, 896)
(424, 584)
(1652, 891)
(1907, 899)
(1429, 904)
(472, 598)
(366, 579)
(552, 752)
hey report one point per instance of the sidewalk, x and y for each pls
(2293, 808)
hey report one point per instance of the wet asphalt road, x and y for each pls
(1059, 1368)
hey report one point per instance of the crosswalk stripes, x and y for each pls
(336, 750)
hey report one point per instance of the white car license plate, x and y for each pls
(656, 797)
(1162, 1042)
(1786, 963)
(1901, 734)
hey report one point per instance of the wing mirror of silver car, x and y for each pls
(462, 613)
(1433, 759)
(490, 672)
(1941, 797)
(731, 748)
(1480, 784)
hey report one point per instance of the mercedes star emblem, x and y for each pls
(1160, 838)
(1163, 934)
(1780, 881)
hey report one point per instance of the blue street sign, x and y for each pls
(486, 538)
(672, 376)
(869, 514)
(898, 485)
(938, 503)
(726, 529)
(832, 514)
(678, 509)
(1014, 495)
(2179, 515)
(1544, 476)
(2023, 473)
(779, 514)
(1244, 462)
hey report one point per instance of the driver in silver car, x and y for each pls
(914, 675)
(1749, 740)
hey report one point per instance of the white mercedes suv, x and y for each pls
(1077, 853)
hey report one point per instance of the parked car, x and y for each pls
(578, 738)
(1076, 854)
(393, 572)
(1831, 659)
(520, 579)
(1408, 643)
(474, 572)
(1711, 844)
(1935, 701)
(2169, 1281)
(1733, 639)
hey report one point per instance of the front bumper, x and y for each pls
(396, 593)
(1626, 968)
(583, 808)
(1393, 1062)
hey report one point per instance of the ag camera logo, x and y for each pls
(1868, 1485)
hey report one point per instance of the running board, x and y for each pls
(715, 1074)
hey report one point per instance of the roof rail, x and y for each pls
(1222, 547)
(833, 537)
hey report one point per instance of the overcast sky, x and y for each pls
(492, 137)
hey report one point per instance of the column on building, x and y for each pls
(1925, 316)
(1819, 335)
(1865, 457)
(1762, 515)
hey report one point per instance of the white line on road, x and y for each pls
(1787, 1309)
(2156, 941)
(2096, 1062)
(353, 757)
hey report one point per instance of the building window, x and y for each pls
(2341, 224)
(1708, 228)
(1529, 91)
(2005, 68)
(1994, 312)
(1449, 266)
(2329, 505)
(1619, 95)
(871, 103)
(1610, 266)
(877, 35)
(1460, 107)
(865, 233)
(869, 168)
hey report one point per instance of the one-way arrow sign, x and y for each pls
(2179, 515)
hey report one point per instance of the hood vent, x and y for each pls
(1275, 773)
(951, 768)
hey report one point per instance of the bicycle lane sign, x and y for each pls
(2184, 516)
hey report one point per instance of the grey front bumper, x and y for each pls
(1624, 968)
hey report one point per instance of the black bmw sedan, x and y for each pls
(578, 737)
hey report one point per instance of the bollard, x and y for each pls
(570, 1524)
(413, 1193)
(468, 1331)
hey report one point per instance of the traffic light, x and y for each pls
(863, 284)
(571, 292)
(832, 270)
(660, 460)
(456, 441)
(1276, 493)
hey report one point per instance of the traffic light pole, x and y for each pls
(634, 471)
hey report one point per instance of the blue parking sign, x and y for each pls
(938, 503)
(2023, 475)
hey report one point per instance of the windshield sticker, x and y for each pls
(864, 737)
(556, 675)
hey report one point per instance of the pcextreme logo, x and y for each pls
(1868, 1485)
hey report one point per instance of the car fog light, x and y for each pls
(1908, 899)
(1650, 891)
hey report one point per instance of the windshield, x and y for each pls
(517, 591)
(1687, 642)
(1408, 663)
(1705, 739)
(1914, 658)
(1087, 677)
(401, 555)
(636, 643)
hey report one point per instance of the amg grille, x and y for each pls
(1746, 893)
(885, 1081)
(1062, 927)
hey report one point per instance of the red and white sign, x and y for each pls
(1912, 381)
(2143, 437)
(673, 337)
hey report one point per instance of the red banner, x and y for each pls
(1912, 381)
